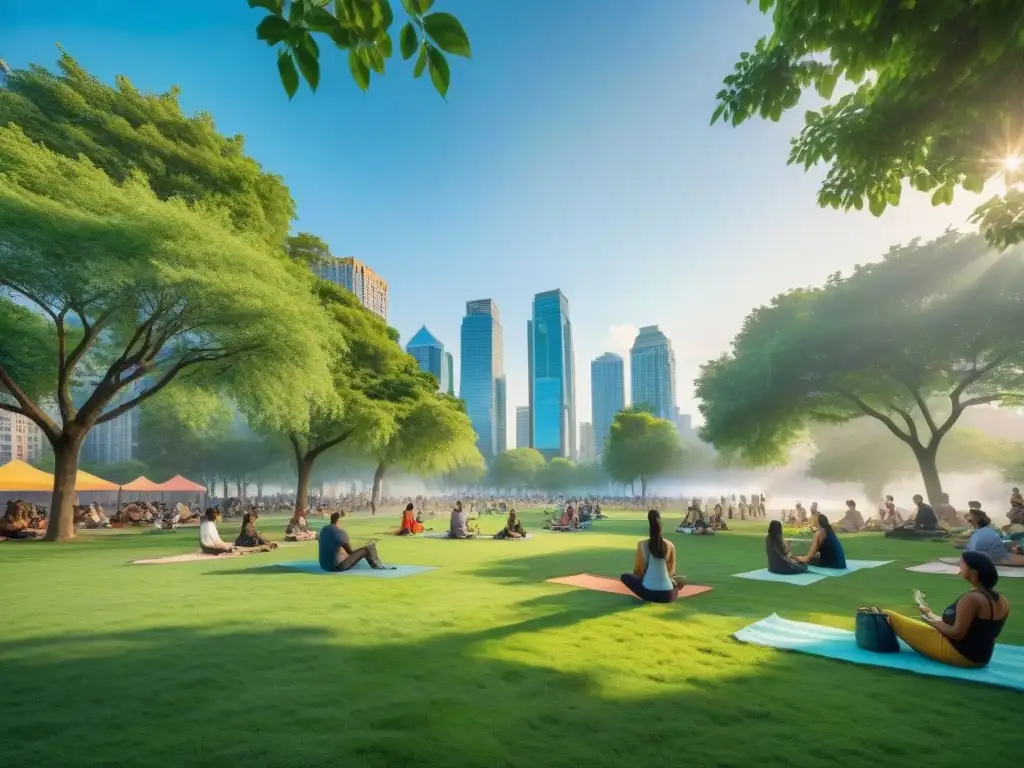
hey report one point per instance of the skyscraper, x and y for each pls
(449, 363)
(607, 396)
(430, 354)
(20, 438)
(586, 442)
(652, 376)
(353, 275)
(482, 377)
(522, 426)
(552, 373)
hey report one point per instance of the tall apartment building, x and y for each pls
(482, 375)
(353, 275)
(652, 372)
(552, 376)
(432, 359)
(20, 438)
(522, 426)
(607, 396)
(587, 450)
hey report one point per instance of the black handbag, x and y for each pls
(873, 632)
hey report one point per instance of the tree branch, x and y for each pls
(867, 410)
(31, 297)
(28, 408)
(12, 408)
(922, 405)
(909, 420)
(327, 445)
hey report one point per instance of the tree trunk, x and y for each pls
(927, 461)
(225, 483)
(238, 488)
(259, 491)
(378, 480)
(245, 489)
(61, 523)
(305, 469)
(643, 488)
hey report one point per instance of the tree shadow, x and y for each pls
(247, 693)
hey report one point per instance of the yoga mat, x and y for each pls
(614, 586)
(851, 566)
(797, 579)
(362, 569)
(1005, 670)
(194, 557)
(1005, 571)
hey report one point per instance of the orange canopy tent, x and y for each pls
(19, 476)
(86, 482)
(142, 484)
(179, 484)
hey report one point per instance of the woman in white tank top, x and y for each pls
(654, 570)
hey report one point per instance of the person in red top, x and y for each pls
(409, 525)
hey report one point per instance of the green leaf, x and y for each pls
(826, 84)
(421, 60)
(718, 113)
(360, 72)
(372, 58)
(448, 33)
(297, 10)
(974, 183)
(407, 41)
(440, 75)
(320, 20)
(384, 45)
(289, 75)
(877, 206)
(417, 7)
(274, 6)
(273, 29)
(341, 36)
(309, 65)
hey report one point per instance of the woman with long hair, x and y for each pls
(825, 551)
(985, 538)
(249, 537)
(780, 558)
(965, 634)
(654, 569)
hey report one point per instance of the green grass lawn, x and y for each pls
(479, 663)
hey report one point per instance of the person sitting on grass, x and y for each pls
(813, 520)
(209, 539)
(965, 635)
(780, 557)
(825, 551)
(249, 537)
(569, 521)
(337, 554)
(513, 528)
(853, 521)
(298, 529)
(458, 527)
(654, 569)
(410, 523)
(15, 523)
(987, 539)
(889, 515)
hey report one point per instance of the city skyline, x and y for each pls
(358, 278)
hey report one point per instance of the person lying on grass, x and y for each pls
(298, 529)
(337, 554)
(825, 551)
(965, 635)
(780, 556)
(654, 568)
(249, 537)
(410, 523)
(513, 528)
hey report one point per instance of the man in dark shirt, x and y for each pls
(925, 519)
(336, 553)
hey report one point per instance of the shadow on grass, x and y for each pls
(318, 696)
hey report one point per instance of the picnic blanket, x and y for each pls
(941, 566)
(615, 586)
(814, 573)
(1005, 670)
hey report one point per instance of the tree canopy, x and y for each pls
(934, 99)
(558, 475)
(136, 291)
(516, 468)
(641, 447)
(363, 29)
(124, 132)
(931, 322)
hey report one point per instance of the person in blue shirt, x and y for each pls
(825, 551)
(337, 554)
(987, 539)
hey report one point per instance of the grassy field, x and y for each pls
(479, 663)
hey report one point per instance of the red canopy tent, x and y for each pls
(142, 484)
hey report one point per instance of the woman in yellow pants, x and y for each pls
(965, 635)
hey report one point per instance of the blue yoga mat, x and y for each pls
(814, 573)
(1006, 669)
(362, 569)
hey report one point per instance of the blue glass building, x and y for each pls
(607, 395)
(552, 376)
(482, 376)
(652, 372)
(430, 354)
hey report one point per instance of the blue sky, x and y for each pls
(574, 152)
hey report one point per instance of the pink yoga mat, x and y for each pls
(616, 587)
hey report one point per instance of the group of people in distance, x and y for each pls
(22, 521)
